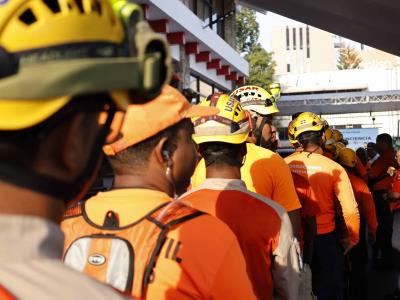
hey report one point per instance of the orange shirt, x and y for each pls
(379, 168)
(309, 203)
(365, 201)
(361, 170)
(211, 264)
(263, 230)
(329, 181)
(265, 173)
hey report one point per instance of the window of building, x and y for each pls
(294, 38)
(288, 68)
(308, 41)
(192, 4)
(301, 37)
(287, 39)
(205, 89)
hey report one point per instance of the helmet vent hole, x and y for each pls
(28, 17)
(97, 7)
(79, 3)
(53, 5)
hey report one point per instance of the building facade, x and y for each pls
(202, 38)
(302, 49)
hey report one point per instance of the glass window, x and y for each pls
(287, 39)
(194, 84)
(205, 89)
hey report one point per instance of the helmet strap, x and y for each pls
(258, 131)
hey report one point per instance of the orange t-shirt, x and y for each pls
(265, 173)
(211, 264)
(263, 230)
(361, 170)
(365, 201)
(309, 203)
(329, 181)
(379, 168)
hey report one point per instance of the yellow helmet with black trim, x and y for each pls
(256, 99)
(307, 121)
(231, 125)
(53, 50)
(347, 157)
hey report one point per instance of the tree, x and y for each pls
(247, 30)
(348, 59)
(261, 63)
(261, 67)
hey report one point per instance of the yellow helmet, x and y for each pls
(230, 125)
(275, 90)
(292, 140)
(53, 50)
(256, 99)
(329, 140)
(347, 157)
(307, 121)
(337, 135)
(337, 147)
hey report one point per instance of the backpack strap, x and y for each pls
(167, 216)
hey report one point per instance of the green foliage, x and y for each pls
(247, 30)
(261, 67)
(261, 63)
(348, 59)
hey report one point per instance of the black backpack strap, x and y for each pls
(160, 242)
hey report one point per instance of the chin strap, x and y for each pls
(64, 191)
(258, 132)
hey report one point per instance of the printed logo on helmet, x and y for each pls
(96, 259)
(245, 88)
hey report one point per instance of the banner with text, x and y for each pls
(359, 137)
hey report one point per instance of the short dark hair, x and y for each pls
(220, 153)
(310, 137)
(385, 137)
(137, 156)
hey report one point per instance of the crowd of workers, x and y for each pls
(199, 204)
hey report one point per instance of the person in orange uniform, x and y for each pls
(329, 181)
(359, 254)
(264, 171)
(153, 162)
(379, 183)
(261, 226)
(55, 64)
